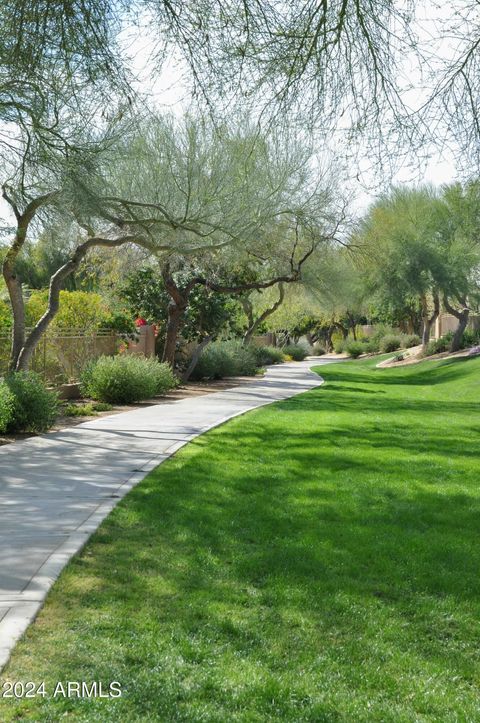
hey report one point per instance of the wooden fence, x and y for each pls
(62, 355)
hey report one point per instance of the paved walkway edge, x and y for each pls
(14, 624)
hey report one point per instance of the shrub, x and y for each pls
(7, 404)
(268, 355)
(34, 406)
(339, 346)
(437, 346)
(391, 342)
(215, 362)
(382, 330)
(371, 346)
(355, 348)
(226, 359)
(78, 309)
(470, 338)
(318, 350)
(125, 379)
(410, 340)
(165, 379)
(297, 352)
(244, 357)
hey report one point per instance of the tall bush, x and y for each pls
(268, 355)
(125, 379)
(391, 342)
(409, 340)
(226, 359)
(296, 351)
(355, 348)
(7, 405)
(35, 408)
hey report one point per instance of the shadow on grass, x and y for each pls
(444, 372)
(328, 537)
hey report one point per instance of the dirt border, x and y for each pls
(416, 359)
(184, 391)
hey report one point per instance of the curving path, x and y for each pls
(56, 489)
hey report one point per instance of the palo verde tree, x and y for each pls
(420, 244)
(171, 188)
(460, 280)
(189, 190)
(401, 241)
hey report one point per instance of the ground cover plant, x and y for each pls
(316, 560)
(89, 409)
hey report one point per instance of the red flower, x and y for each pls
(140, 322)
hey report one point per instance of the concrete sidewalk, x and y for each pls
(56, 489)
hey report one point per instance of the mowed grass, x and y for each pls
(316, 560)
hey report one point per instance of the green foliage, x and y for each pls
(296, 351)
(162, 373)
(86, 410)
(409, 340)
(78, 310)
(144, 292)
(35, 407)
(207, 313)
(318, 350)
(244, 356)
(7, 406)
(5, 316)
(349, 479)
(437, 346)
(355, 348)
(119, 321)
(126, 379)
(215, 362)
(268, 355)
(470, 338)
(339, 346)
(390, 343)
(226, 359)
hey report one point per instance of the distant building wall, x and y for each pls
(366, 329)
(449, 322)
(265, 339)
(145, 344)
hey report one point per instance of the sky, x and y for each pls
(167, 92)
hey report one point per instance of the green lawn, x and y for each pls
(316, 560)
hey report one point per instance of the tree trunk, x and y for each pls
(255, 323)
(428, 320)
(174, 325)
(13, 283)
(56, 284)
(353, 325)
(462, 325)
(176, 310)
(15, 293)
(462, 317)
(195, 357)
(328, 340)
